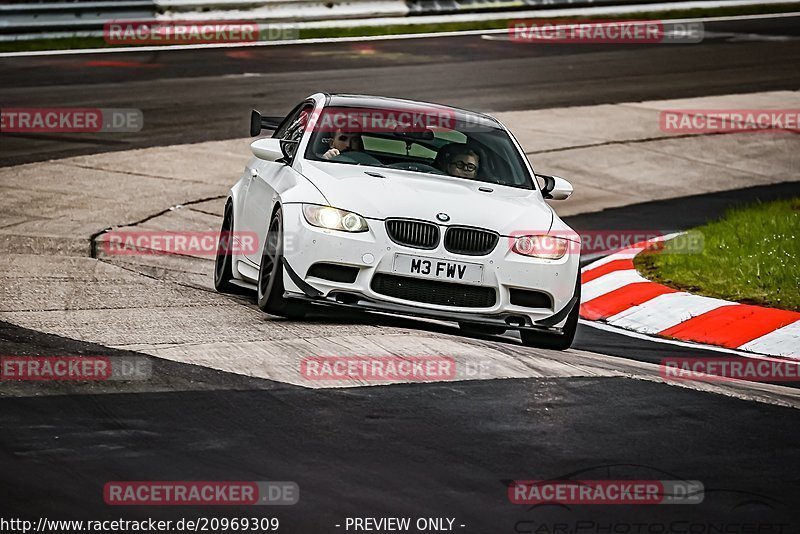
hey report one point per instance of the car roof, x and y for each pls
(401, 104)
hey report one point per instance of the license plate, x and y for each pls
(471, 273)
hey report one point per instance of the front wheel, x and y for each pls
(223, 263)
(561, 341)
(270, 275)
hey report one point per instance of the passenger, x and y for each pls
(458, 159)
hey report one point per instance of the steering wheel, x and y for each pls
(413, 166)
(359, 158)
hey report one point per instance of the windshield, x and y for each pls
(434, 141)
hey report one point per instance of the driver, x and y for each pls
(344, 142)
(459, 159)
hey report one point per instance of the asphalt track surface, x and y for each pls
(411, 450)
(421, 450)
(200, 95)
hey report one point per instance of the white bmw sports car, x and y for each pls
(404, 207)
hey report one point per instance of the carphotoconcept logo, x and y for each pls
(75, 368)
(70, 120)
(714, 121)
(544, 31)
(566, 503)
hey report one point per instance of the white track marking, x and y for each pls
(670, 309)
(609, 282)
(626, 254)
(784, 341)
(419, 20)
(686, 344)
(732, 37)
(743, 37)
(665, 311)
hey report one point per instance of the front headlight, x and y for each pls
(334, 219)
(541, 246)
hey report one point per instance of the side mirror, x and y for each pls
(555, 187)
(258, 123)
(268, 149)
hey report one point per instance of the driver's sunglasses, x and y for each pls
(464, 166)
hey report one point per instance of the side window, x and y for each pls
(420, 151)
(294, 128)
(288, 120)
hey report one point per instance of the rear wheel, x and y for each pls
(223, 263)
(270, 275)
(561, 341)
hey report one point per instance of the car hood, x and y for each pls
(507, 210)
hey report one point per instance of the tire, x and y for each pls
(270, 275)
(223, 263)
(561, 341)
(481, 329)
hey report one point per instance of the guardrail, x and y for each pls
(36, 19)
(23, 17)
(441, 7)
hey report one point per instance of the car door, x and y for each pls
(264, 176)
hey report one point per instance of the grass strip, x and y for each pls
(751, 255)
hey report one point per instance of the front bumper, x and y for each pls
(373, 252)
